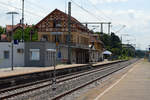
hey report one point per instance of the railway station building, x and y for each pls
(51, 29)
(54, 27)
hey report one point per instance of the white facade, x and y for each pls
(96, 56)
(6, 55)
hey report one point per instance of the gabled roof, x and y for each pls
(73, 20)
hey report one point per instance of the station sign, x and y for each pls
(16, 42)
(59, 55)
(56, 33)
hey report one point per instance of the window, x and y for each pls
(44, 38)
(35, 54)
(57, 24)
(20, 50)
(6, 54)
(56, 38)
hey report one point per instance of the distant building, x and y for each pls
(15, 27)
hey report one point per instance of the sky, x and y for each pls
(132, 16)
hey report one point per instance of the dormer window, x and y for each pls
(57, 24)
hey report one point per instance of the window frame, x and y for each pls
(8, 55)
(34, 54)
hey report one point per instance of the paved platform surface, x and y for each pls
(5, 72)
(134, 85)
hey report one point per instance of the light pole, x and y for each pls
(69, 33)
(12, 44)
(22, 21)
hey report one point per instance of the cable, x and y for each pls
(90, 13)
(101, 12)
(9, 5)
(36, 5)
(20, 9)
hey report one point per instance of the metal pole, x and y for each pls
(12, 45)
(55, 54)
(121, 46)
(69, 32)
(22, 20)
(109, 28)
(54, 78)
(101, 28)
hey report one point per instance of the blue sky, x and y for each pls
(132, 13)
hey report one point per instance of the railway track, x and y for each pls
(88, 83)
(23, 89)
(12, 81)
(49, 79)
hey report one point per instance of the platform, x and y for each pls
(6, 72)
(134, 85)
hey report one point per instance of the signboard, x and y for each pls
(56, 33)
(51, 50)
(16, 42)
(59, 55)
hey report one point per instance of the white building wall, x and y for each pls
(96, 56)
(18, 57)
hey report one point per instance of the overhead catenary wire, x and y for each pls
(109, 18)
(97, 9)
(90, 13)
(36, 5)
(20, 9)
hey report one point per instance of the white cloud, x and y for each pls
(136, 21)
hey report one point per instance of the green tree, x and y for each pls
(17, 34)
(28, 32)
(2, 31)
(115, 41)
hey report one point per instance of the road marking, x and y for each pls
(100, 95)
(131, 70)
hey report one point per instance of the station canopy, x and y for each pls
(107, 52)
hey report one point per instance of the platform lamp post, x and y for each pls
(12, 44)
